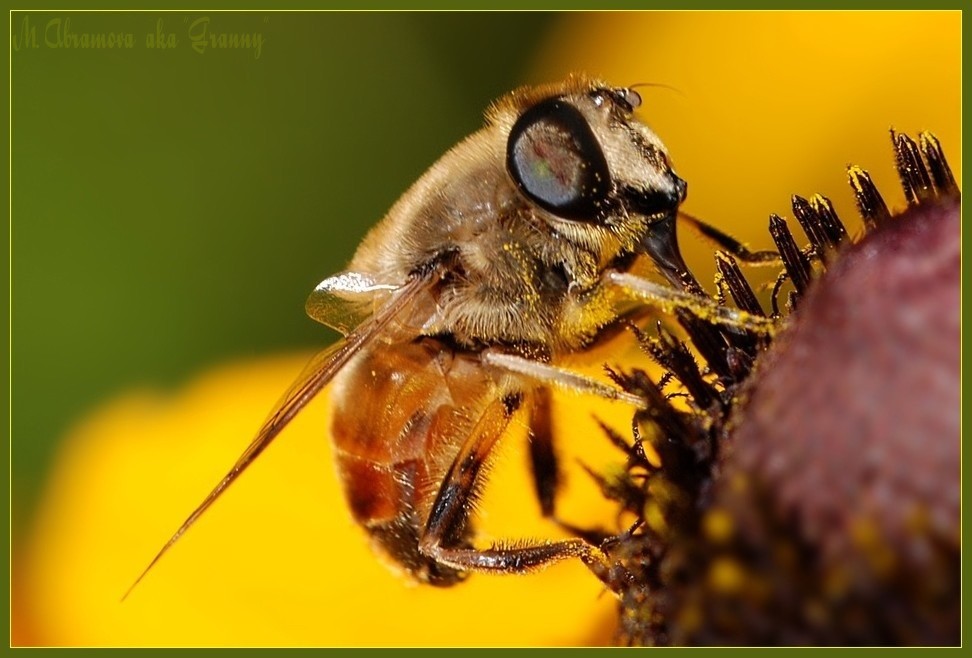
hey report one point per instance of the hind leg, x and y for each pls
(442, 538)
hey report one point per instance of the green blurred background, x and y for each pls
(172, 209)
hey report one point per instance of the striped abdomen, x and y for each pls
(401, 412)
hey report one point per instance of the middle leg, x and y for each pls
(543, 458)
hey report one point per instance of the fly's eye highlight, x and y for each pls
(556, 161)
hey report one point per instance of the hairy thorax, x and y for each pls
(512, 282)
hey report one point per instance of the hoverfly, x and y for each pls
(520, 245)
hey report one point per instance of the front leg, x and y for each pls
(700, 306)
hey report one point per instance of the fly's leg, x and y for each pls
(700, 306)
(541, 447)
(545, 469)
(442, 538)
(543, 458)
(552, 376)
(731, 244)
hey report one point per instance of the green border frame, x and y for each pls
(303, 5)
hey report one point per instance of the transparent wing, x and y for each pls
(347, 299)
(315, 376)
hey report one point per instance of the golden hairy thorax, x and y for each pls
(524, 274)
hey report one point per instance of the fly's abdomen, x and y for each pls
(399, 416)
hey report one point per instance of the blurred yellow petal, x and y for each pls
(277, 561)
(770, 104)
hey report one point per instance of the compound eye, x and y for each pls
(556, 161)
